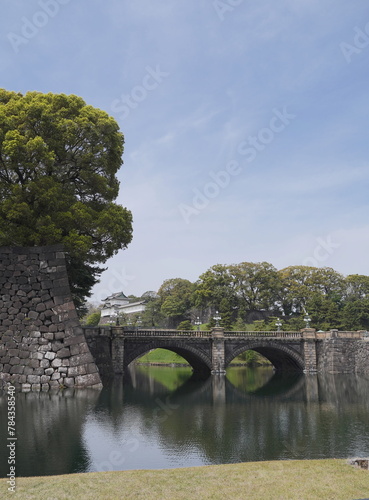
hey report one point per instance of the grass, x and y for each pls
(161, 356)
(165, 357)
(287, 480)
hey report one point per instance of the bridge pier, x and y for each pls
(217, 351)
(219, 389)
(309, 349)
(117, 351)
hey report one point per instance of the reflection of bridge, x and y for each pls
(114, 348)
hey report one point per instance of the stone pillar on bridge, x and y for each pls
(217, 351)
(309, 336)
(117, 350)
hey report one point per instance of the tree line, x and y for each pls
(252, 296)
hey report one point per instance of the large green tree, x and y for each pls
(300, 284)
(175, 296)
(59, 158)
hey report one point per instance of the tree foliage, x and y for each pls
(175, 296)
(252, 296)
(59, 158)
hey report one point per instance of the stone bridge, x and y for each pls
(211, 352)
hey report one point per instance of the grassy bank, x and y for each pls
(165, 357)
(297, 480)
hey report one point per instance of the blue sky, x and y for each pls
(245, 124)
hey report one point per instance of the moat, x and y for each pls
(162, 417)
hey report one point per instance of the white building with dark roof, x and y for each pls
(118, 304)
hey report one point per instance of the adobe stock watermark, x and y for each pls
(11, 439)
(323, 250)
(359, 43)
(127, 102)
(223, 7)
(164, 409)
(31, 27)
(249, 149)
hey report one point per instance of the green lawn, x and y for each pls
(280, 480)
(163, 356)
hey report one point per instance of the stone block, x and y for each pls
(79, 339)
(57, 346)
(50, 355)
(33, 379)
(36, 355)
(17, 369)
(54, 385)
(80, 359)
(39, 371)
(64, 353)
(49, 371)
(14, 361)
(34, 363)
(73, 371)
(68, 381)
(87, 380)
(56, 363)
(75, 349)
(45, 379)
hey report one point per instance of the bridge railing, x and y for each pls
(274, 334)
(166, 333)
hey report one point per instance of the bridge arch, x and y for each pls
(282, 357)
(197, 359)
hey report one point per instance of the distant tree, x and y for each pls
(299, 284)
(59, 159)
(185, 325)
(213, 286)
(324, 312)
(152, 316)
(175, 297)
(355, 315)
(256, 286)
(357, 287)
(93, 319)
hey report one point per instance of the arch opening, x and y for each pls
(250, 357)
(198, 362)
(282, 358)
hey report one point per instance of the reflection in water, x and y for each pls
(163, 417)
(49, 432)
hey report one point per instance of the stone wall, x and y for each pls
(343, 355)
(42, 345)
(99, 340)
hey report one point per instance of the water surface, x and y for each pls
(162, 417)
